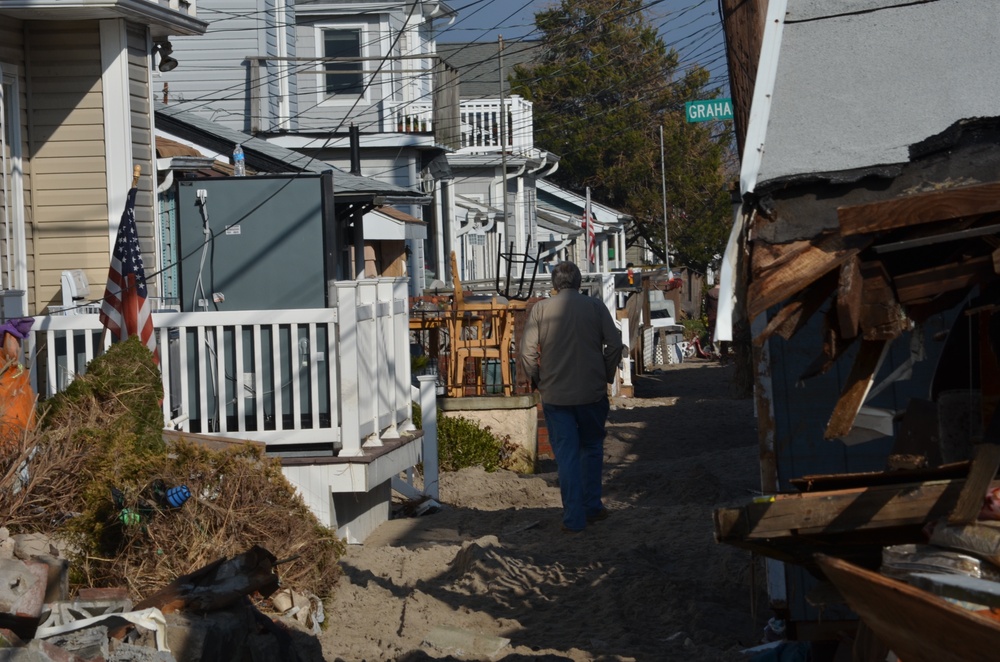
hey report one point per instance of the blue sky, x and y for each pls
(692, 27)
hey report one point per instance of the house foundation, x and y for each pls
(514, 416)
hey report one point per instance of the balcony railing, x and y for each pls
(410, 109)
(481, 130)
(306, 382)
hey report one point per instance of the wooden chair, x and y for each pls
(479, 329)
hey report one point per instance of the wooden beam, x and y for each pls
(791, 318)
(981, 473)
(849, 297)
(916, 625)
(920, 208)
(881, 316)
(910, 622)
(920, 285)
(859, 382)
(851, 511)
(798, 272)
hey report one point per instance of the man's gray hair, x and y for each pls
(566, 276)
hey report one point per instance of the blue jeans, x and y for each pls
(576, 433)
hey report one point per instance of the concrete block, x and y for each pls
(63, 613)
(6, 544)
(125, 652)
(9, 640)
(43, 650)
(22, 595)
(57, 584)
(110, 593)
(30, 545)
(88, 644)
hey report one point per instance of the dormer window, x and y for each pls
(343, 77)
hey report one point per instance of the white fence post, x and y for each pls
(347, 314)
(387, 362)
(368, 362)
(402, 409)
(627, 361)
(428, 421)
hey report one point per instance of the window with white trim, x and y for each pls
(343, 78)
(13, 265)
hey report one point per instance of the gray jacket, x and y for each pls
(571, 348)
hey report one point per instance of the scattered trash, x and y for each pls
(774, 630)
(102, 623)
(176, 496)
(428, 507)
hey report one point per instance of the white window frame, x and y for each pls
(15, 277)
(322, 98)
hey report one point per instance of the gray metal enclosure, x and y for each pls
(254, 243)
(265, 247)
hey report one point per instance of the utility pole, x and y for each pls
(503, 146)
(666, 231)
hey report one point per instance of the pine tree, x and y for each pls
(603, 86)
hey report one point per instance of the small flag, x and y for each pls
(588, 225)
(588, 222)
(126, 311)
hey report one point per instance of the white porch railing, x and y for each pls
(306, 382)
(413, 117)
(481, 125)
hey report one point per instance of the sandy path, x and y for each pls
(649, 583)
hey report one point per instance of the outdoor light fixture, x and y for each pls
(167, 63)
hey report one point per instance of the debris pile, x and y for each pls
(204, 615)
(121, 510)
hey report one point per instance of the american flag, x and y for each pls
(588, 220)
(126, 311)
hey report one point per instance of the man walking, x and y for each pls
(570, 351)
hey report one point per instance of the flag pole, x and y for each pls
(587, 229)
(136, 171)
(666, 231)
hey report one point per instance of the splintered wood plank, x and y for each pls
(916, 625)
(981, 473)
(882, 317)
(793, 317)
(859, 382)
(926, 283)
(849, 297)
(920, 208)
(849, 511)
(802, 269)
(766, 255)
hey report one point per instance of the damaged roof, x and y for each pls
(847, 87)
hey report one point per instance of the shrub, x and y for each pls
(462, 443)
(696, 327)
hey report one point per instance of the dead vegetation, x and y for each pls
(95, 474)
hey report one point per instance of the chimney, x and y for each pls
(355, 150)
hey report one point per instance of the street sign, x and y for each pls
(711, 109)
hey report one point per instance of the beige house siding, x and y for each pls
(12, 53)
(142, 152)
(68, 166)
